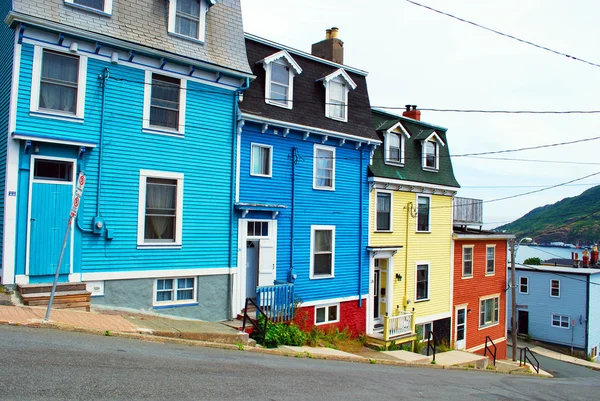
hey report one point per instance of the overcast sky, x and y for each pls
(416, 56)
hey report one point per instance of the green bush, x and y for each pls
(533, 261)
(282, 334)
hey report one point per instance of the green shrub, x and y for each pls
(533, 261)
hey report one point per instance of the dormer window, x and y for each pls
(337, 86)
(102, 6)
(187, 18)
(431, 152)
(395, 138)
(280, 69)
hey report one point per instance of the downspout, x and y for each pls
(360, 241)
(587, 313)
(408, 215)
(291, 273)
(233, 188)
(104, 78)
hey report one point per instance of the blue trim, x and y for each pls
(175, 306)
(89, 9)
(74, 142)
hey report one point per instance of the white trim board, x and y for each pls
(331, 301)
(433, 318)
(99, 276)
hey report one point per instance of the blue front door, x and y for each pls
(49, 217)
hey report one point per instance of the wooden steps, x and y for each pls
(67, 296)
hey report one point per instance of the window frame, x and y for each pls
(487, 260)
(331, 149)
(436, 158)
(388, 159)
(552, 288)
(289, 103)
(327, 306)
(313, 230)
(262, 146)
(521, 285)
(154, 129)
(464, 260)
(423, 337)
(390, 228)
(329, 105)
(107, 11)
(428, 214)
(560, 321)
(184, 302)
(142, 243)
(258, 237)
(36, 84)
(496, 310)
(428, 288)
(172, 24)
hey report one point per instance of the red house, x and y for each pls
(479, 293)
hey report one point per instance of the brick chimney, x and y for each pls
(331, 48)
(412, 112)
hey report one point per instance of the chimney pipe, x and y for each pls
(332, 48)
(412, 112)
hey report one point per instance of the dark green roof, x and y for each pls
(412, 170)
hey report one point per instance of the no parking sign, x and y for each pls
(78, 191)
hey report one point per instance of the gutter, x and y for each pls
(14, 17)
(587, 313)
(361, 227)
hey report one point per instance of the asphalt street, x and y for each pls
(42, 364)
(560, 369)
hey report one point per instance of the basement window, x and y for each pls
(327, 314)
(174, 291)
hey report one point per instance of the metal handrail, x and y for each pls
(430, 337)
(523, 358)
(487, 338)
(263, 330)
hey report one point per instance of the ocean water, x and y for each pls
(544, 253)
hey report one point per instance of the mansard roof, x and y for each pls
(309, 93)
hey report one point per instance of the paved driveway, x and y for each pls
(561, 369)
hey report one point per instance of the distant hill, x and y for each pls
(573, 220)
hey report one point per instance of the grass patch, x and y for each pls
(240, 345)
(490, 367)
(372, 361)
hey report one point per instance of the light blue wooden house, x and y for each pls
(141, 96)
(559, 305)
(305, 144)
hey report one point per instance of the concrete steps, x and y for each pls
(67, 296)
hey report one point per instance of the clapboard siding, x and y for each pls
(7, 37)
(203, 155)
(339, 208)
(433, 247)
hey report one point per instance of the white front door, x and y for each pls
(461, 328)
(266, 262)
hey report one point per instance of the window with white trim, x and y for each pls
(322, 251)
(384, 211)
(58, 83)
(280, 84)
(261, 160)
(160, 209)
(258, 229)
(171, 291)
(164, 103)
(490, 253)
(103, 6)
(394, 151)
(594, 352)
(423, 211)
(523, 285)
(430, 155)
(467, 270)
(327, 314)
(424, 329)
(187, 18)
(324, 167)
(561, 321)
(555, 288)
(337, 100)
(488, 311)
(422, 282)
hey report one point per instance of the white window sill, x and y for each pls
(184, 37)
(288, 106)
(394, 163)
(321, 277)
(467, 277)
(163, 131)
(422, 300)
(175, 304)
(523, 293)
(159, 245)
(324, 188)
(554, 296)
(490, 274)
(330, 322)
(384, 231)
(344, 120)
(261, 175)
(56, 115)
(423, 232)
(487, 326)
(90, 9)
(432, 169)
(560, 327)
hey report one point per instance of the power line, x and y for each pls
(522, 186)
(557, 274)
(505, 34)
(504, 111)
(535, 160)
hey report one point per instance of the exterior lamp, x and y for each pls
(513, 292)
(398, 277)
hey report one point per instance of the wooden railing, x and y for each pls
(394, 326)
(468, 211)
(277, 301)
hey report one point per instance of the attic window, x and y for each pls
(101, 6)
(395, 139)
(280, 85)
(337, 87)
(187, 18)
(431, 152)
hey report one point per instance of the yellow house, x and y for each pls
(410, 231)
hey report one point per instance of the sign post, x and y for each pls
(72, 214)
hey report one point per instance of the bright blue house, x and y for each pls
(142, 97)
(305, 143)
(560, 305)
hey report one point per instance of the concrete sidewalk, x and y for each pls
(556, 355)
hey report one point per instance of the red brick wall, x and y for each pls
(351, 316)
(470, 290)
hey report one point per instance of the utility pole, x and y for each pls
(513, 292)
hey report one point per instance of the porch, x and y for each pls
(394, 328)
